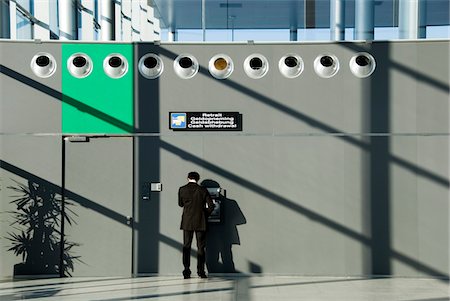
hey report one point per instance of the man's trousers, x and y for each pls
(201, 244)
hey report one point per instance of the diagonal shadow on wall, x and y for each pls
(416, 75)
(267, 194)
(347, 137)
(270, 102)
(378, 90)
(234, 178)
(253, 94)
(34, 232)
(69, 194)
(66, 99)
(377, 147)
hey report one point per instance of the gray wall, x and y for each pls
(339, 176)
(29, 105)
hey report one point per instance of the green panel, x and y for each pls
(97, 103)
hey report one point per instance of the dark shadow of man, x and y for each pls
(224, 234)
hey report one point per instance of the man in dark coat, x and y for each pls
(197, 205)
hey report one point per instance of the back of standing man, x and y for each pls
(197, 205)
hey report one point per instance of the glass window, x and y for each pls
(386, 33)
(53, 20)
(24, 26)
(270, 20)
(438, 32)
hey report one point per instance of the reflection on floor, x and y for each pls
(246, 288)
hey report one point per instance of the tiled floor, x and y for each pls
(217, 288)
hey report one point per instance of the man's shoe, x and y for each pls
(202, 275)
(186, 274)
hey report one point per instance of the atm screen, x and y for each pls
(215, 215)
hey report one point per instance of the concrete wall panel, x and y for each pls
(330, 174)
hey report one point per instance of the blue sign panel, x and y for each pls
(177, 120)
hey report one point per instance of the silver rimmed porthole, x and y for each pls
(291, 65)
(80, 65)
(43, 64)
(221, 66)
(115, 65)
(151, 66)
(362, 64)
(186, 66)
(256, 65)
(326, 65)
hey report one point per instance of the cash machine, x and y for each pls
(215, 191)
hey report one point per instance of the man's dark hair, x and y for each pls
(194, 176)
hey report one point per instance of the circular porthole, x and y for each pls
(291, 65)
(115, 65)
(256, 66)
(79, 65)
(326, 65)
(43, 64)
(186, 66)
(151, 66)
(362, 64)
(220, 66)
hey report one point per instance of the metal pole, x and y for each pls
(310, 13)
(293, 34)
(118, 20)
(412, 19)
(204, 19)
(364, 19)
(293, 30)
(171, 35)
(152, 27)
(146, 29)
(422, 31)
(67, 13)
(12, 20)
(42, 14)
(126, 21)
(337, 20)
(136, 21)
(422, 34)
(232, 27)
(5, 32)
(87, 20)
(107, 20)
